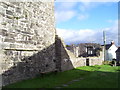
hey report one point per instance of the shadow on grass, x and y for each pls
(44, 61)
(91, 78)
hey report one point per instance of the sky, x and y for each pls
(84, 22)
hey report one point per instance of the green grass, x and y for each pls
(103, 76)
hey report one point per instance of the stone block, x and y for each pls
(9, 12)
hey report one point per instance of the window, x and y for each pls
(89, 50)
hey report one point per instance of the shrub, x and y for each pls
(107, 62)
(67, 45)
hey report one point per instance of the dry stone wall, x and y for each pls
(27, 39)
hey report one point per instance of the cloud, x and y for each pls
(76, 36)
(85, 6)
(83, 16)
(110, 21)
(115, 22)
(64, 11)
(89, 35)
(65, 5)
(112, 32)
(62, 16)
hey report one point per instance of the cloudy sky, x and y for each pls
(84, 22)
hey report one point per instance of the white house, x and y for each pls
(110, 51)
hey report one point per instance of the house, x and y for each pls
(85, 49)
(118, 55)
(110, 51)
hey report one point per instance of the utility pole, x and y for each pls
(104, 40)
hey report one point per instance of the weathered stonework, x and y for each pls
(27, 39)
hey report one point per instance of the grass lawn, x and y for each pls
(103, 76)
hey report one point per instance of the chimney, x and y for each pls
(112, 42)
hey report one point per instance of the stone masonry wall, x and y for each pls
(70, 61)
(95, 61)
(27, 39)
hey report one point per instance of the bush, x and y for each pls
(67, 45)
(107, 62)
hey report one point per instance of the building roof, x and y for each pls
(118, 50)
(107, 46)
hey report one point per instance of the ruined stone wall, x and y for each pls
(95, 61)
(27, 39)
(69, 60)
